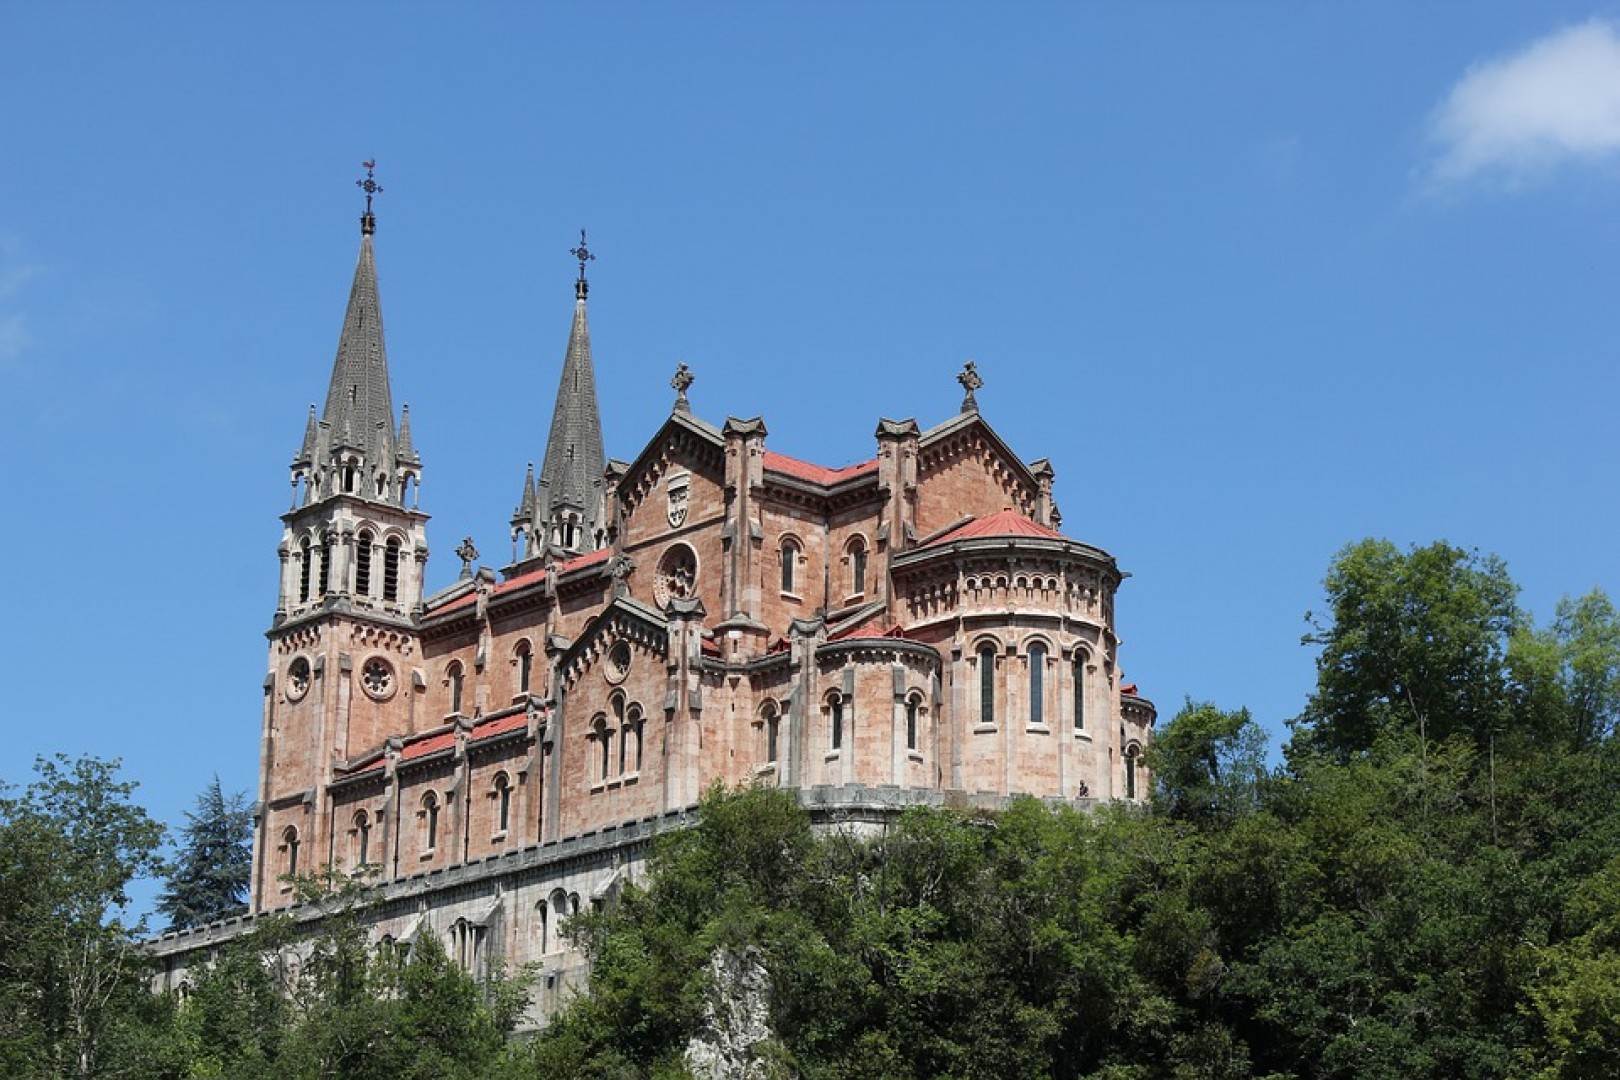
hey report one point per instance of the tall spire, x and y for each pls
(570, 485)
(356, 447)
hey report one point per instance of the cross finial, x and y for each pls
(969, 378)
(466, 553)
(683, 379)
(369, 185)
(583, 254)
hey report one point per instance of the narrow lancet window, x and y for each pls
(391, 570)
(1037, 685)
(987, 684)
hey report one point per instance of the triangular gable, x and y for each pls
(683, 430)
(625, 618)
(975, 422)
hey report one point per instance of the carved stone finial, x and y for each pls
(969, 378)
(683, 379)
(583, 254)
(369, 185)
(467, 554)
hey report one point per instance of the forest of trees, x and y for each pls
(1424, 881)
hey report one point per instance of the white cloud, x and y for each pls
(1518, 117)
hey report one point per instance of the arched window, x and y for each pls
(623, 728)
(503, 803)
(348, 478)
(362, 564)
(430, 822)
(790, 566)
(305, 555)
(1037, 685)
(771, 718)
(604, 747)
(1131, 753)
(912, 705)
(326, 564)
(455, 676)
(1079, 691)
(987, 684)
(559, 915)
(525, 666)
(857, 567)
(391, 570)
(835, 710)
(632, 734)
(289, 844)
(362, 839)
(541, 925)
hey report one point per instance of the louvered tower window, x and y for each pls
(362, 564)
(391, 570)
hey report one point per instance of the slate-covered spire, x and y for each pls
(570, 485)
(355, 447)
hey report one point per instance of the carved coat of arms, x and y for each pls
(679, 488)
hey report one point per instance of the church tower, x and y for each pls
(564, 513)
(353, 554)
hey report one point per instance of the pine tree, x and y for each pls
(210, 877)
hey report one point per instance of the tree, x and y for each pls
(209, 879)
(1207, 764)
(70, 960)
(1413, 641)
(1567, 677)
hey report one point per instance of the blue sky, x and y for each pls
(1260, 279)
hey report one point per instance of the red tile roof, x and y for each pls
(430, 745)
(488, 729)
(816, 474)
(868, 632)
(578, 562)
(711, 648)
(1001, 523)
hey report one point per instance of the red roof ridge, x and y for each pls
(1006, 522)
(816, 474)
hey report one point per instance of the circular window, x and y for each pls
(677, 575)
(297, 679)
(618, 662)
(377, 677)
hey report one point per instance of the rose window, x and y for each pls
(377, 677)
(297, 679)
(677, 575)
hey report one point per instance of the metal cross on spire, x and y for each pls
(583, 254)
(369, 185)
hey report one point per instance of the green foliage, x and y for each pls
(1413, 641)
(70, 966)
(209, 878)
(1208, 765)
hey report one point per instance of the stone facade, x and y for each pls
(912, 629)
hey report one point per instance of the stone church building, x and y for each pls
(912, 629)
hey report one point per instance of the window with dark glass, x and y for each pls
(304, 568)
(430, 809)
(1079, 692)
(503, 794)
(837, 708)
(911, 723)
(455, 688)
(790, 559)
(987, 684)
(1037, 685)
(857, 569)
(525, 667)
(391, 570)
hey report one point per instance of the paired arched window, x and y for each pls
(430, 822)
(503, 803)
(987, 684)
(1037, 684)
(790, 554)
(455, 678)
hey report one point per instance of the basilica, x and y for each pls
(913, 629)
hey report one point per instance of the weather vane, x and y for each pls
(583, 254)
(372, 189)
